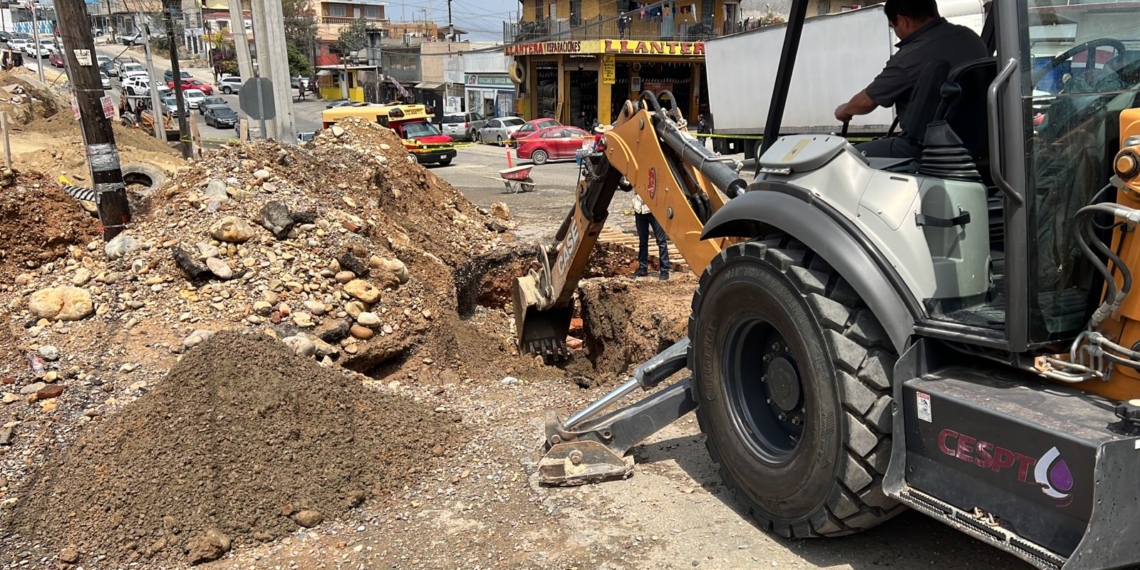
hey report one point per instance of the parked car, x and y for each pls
(171, 105)
(19, 41)
(104, 81)
(553, 143)
(210, 102)
(220, 116)
(533, 126)
(305, 136)
(5, 36)
(298, 82)
(56, 59)
(168, 75)
(500, 129)
(135, 39)
(193, 84)
(40, 50)
(141, 85)
(193, 97)
(230, 84)
(132, 69)
(465, 126)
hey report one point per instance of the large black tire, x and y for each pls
(792, 378)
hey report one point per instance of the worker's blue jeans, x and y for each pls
(644, 223)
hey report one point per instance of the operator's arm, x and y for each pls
(891, 85)
(860, 104)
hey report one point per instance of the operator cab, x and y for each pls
(1050, 100)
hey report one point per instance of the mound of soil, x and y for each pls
(240, 437)
(38, 222)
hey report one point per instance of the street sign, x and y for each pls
(256, 98)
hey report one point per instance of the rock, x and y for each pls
(303, 217)
(81, 277)
(263, 308)
(509, 380)
(23, 279)
(333, 331)
(122, 246)
(49, 392)
(300, 345)
(308, 519)
(219, 268)
(354, 309)
(6, 435)
(324, 348)
(207, 250)
(32, 388)
(231, 229)
(197, 337)
(351, 263)
(385, 146)
(51, 376)
(574, 343)
(393, 266)
(349, 201)
(362, 290)
(337, 131)
(216, 191)
(315, 307)
(49, 352)
(275, 218)
(344, 276)
(69, 555)
(208, 547)
(262, 174)
(189, 265)
(303, 319)
(9, 398)
(61, 303)
(501, 211)
(362, 333)
(368, 319)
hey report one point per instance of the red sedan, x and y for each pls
(532, 126)
(56, 59)
(553, 143)
(193, 84)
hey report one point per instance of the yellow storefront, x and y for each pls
(564, 79)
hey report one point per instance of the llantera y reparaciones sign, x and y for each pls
(618, 47)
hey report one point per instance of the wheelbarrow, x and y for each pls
(517, 178)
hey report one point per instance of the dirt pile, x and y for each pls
(23, 99)
(625, 322)
(65, 154)
(240, 438)
(38, 223)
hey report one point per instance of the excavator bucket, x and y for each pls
(539, 331)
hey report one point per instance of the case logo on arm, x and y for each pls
(651, 189)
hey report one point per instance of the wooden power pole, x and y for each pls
(95, 123)
(169, 8)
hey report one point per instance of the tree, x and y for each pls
(299, 65)
(300, 27)
(353, 37)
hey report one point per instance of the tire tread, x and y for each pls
(863, 358)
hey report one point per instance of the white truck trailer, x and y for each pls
(839, 55)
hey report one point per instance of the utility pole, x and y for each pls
(264, 60)
(36, 38)
(279, 75)
(180, 103)
(450, 24)
(99, 139)
(241, 41)
(155, 103)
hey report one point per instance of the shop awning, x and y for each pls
(324, 72)
(429, 86)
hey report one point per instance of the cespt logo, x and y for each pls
(1055, 478)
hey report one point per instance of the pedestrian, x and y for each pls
(703, 129)
(301, 90)
(645, 221)
(621, 25)
(581, 123)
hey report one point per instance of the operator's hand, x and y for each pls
(842, 114)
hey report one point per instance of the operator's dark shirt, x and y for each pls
(938, 40)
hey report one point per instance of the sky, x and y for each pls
(483, 19)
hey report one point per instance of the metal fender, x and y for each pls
(769, 206)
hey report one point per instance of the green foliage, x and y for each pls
(353, 37)
(299, 65)
(300, 27)
(229, 66)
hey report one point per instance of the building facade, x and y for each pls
(580, 60)
(488, 88)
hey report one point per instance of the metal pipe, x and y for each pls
(724, 177)
(605, 402)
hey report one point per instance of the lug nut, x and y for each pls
(576, 457)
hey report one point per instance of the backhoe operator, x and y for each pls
(924, 37)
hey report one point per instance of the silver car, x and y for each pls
(500, 129)
(463, 127)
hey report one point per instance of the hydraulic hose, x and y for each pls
(722, 176)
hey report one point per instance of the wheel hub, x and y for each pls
(783, 384)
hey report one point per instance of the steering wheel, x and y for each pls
(1089, 47)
